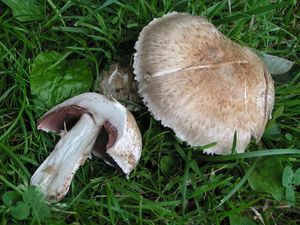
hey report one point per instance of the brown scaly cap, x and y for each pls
(201, 84)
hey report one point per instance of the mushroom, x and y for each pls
(118, 82)
(201, 84)
(88, 123)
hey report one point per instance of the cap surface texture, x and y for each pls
(201, 84)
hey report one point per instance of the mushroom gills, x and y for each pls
(105, 139)
(64, 118)
(55, 174)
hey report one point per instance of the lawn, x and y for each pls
(173, 183)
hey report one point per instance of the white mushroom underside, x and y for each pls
(126, 151)
(100, 107)
(55, 174)
(123, 146)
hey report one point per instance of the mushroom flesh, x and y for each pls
(88, 123)
(201, 84)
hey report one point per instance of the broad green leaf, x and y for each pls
(297, 177)
(32, 196)
(266, 177)
(287, 176)
(42, 211)
(10, 197)
(272, 128)
(276, 65)
(240, 220)
(26, 10)
(20, 211)
(290, 195)
(54, 79)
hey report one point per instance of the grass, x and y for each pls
(196, 189)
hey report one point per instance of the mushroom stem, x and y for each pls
(55, 174)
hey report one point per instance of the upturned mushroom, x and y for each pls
(88, 123)
(201, 84)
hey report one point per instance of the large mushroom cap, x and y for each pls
(201, 84)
